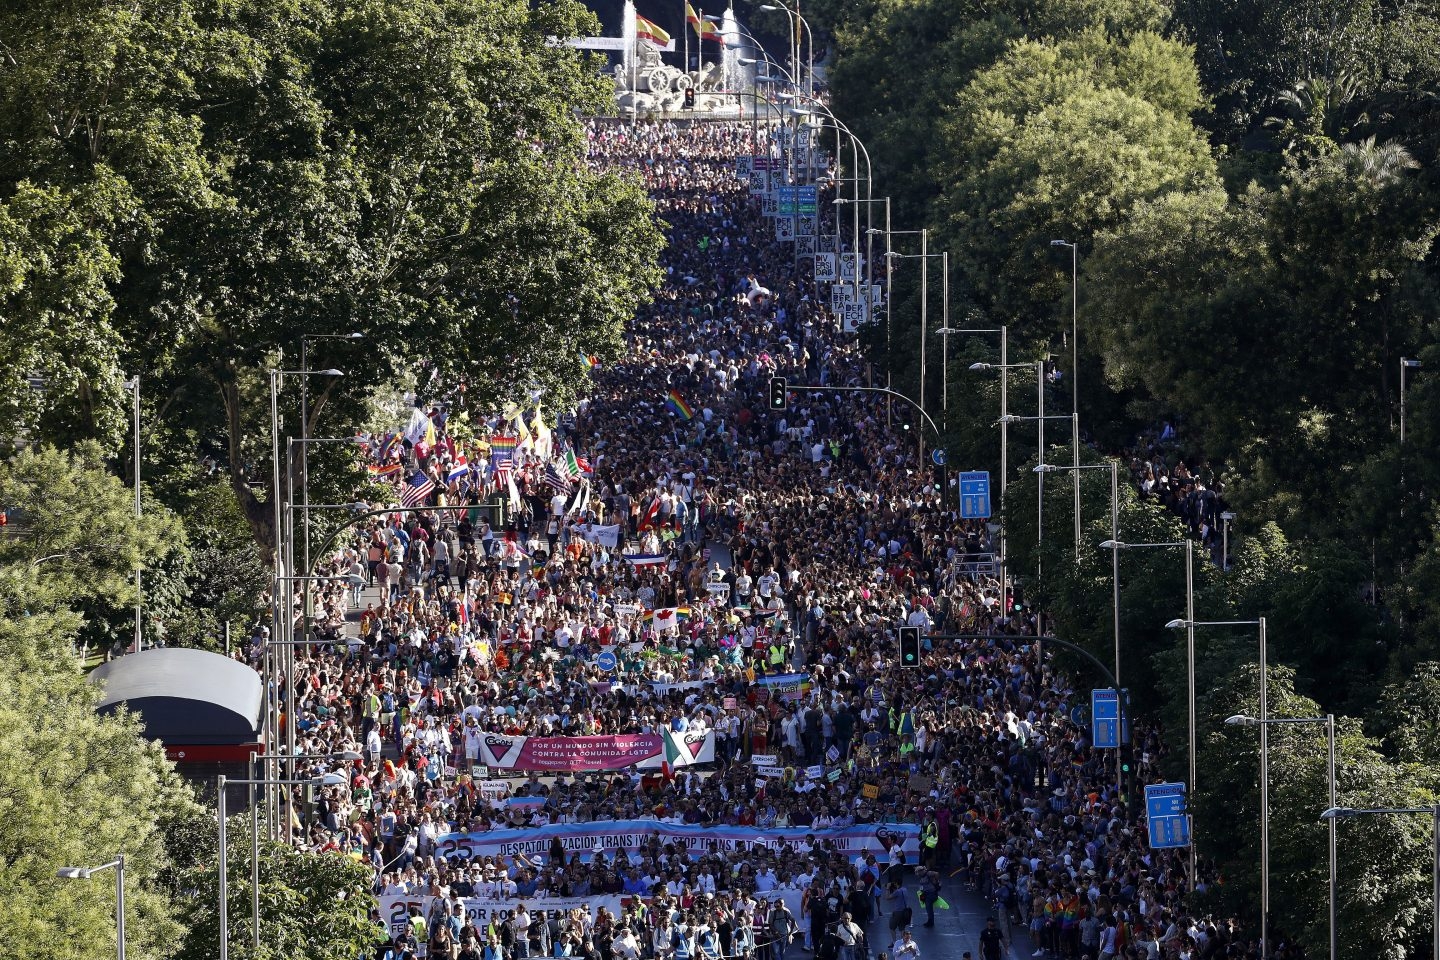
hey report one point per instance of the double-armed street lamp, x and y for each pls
(1241, 720)
(329, 779)
(1346, 813)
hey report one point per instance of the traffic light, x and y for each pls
(778, 390)
(909, 646)
(690, 98)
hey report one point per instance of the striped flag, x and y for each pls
(458, 469)
(572, 464)
(383, 471)
(553, 477)
(677, 403)
(502, 449)
(417, 488)
(648, 30)
(646, 559)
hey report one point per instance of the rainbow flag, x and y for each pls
(677, 403)
(378, 471)
(787, 686)
(591, 360)
(502, 449)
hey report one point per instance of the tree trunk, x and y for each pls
(259, 514)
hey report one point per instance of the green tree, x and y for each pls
(1384, 862)
(416, 172)
(74, 539)
(313, 906)
(55, 316)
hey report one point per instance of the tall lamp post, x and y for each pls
(1006, 418)
(1074, 372)
(797, 21)
(329, 779)
(1405, 364)
(281, 561)
(305, 342)
(84, 873)
(1189, 545)
(1345, 813)
(1189, 624)
(133, 385)
(1114, 467)
(1241, 720)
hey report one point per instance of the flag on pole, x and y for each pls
(677, 403)
(649, 30)
(458, 469)
(572, 464)
(417, 488)
(554, 478)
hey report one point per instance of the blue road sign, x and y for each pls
(1105, 718)
(1166, 817)
(606, 661)
(1077, 714)
(975, 495)
(938, 455)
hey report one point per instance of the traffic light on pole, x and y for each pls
(778, 390)
(909, 646)
(690, 98)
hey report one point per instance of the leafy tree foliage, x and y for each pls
(75, 788)
(412, 171)
(312, 906)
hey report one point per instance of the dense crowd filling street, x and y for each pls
(709, 591)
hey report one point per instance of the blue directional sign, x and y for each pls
(1166, 817)
(975, 495)
(606, 661)
(1105, 718)
(938, 455)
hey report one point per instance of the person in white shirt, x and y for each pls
(905, 948)
(848, 932)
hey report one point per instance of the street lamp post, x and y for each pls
(1405, 364)
(1337, 813)
(1114, 546)
(280, 559)
(793, 16)
(1074, 372)
(1225, 518)
(328, 779)
(133, 385)
(305, 432)
(1114, 467)
(1189, 624)
(84, 873)
(1329, 721)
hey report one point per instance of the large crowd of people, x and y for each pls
(715, 548)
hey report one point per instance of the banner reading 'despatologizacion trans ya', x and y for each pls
(613, 836)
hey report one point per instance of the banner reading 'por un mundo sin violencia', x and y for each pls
(614, 836)
(576, 754)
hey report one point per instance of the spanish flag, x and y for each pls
(703, 28)
(647, 30)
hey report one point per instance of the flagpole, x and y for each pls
(685, 16)
(699, 50)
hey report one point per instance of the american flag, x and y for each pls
(417, 488)
(556, 479)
